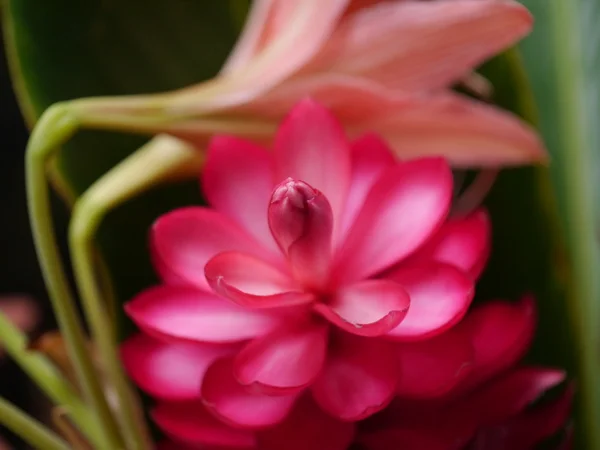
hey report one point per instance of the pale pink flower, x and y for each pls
(326, 269)
(381, 66)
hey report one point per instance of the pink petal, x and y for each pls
(235, 404)
(463, 243)
(22, 310)
(307, 428)
(509, 395)
(419, 46)
(253, 36)
(190, 314)
(370, 158)
(540, 422)
(189, 422)
(466, 132)
(501, 333)
(253, 283)
(171, 445)
(301, 221)
(440, 296)
(359, 378)
(184, 240)
(171, 371)
(432, 367)
(367, 308)
(404, 207)
(285, 361)
(274, 45)
(405, 439)
(311, 146)
(237, 180)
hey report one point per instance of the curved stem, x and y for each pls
(29, 429)
(163, 157)
(48, 379)
(53, 129)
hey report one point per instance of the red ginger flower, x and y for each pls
(326, 269)
(488, 407)
(494, 407)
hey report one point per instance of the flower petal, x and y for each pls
(285, 361)
(501, 333)
(172, 445)
(509, 395)
(184, 240)
(191, 423)
(432, 367)
(253, 283)
(461, 242)
(370, 158)
(405, 439)
(367, 308)
(422, 46)
(537, 423)
(440, 296)
(466, 132)
(301, 221)
(404, 207)
(171, 371)
(237, 180)
(307, 427)
(190, 314)
(273, 45)
(359, 378)
(311, 146)
(235, 404)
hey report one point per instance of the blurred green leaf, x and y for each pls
(534, 209)
(65, 49)
(562, 58)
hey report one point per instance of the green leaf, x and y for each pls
(546, 220)
(66, 49)
(562, 58)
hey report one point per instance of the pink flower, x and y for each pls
(496, 404)
(492, 404)
(324, 273)
(380, 66)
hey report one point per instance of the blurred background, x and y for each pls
(20, 278)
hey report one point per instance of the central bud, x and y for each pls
(301, 221)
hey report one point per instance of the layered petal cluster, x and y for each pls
(495, 402)
(382, 66)
(326, 280)
(497, 405)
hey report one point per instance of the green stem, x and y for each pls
(162, 157)
(33, 432)
(47, 378)
(53, 129)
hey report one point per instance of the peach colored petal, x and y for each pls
(466, 132)
(287, 51)
(416, 45)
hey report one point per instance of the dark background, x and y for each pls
(19, 272)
